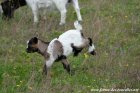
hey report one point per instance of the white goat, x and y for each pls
(59, 4)
(72, 41)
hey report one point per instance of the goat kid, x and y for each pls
(8, 7)
(72, 41)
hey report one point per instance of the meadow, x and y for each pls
(114, 26)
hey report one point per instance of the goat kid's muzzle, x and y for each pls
(28, 50)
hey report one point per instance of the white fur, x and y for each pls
(27, 43)
(66, 39)
(59, 4)
(91, 48)
(1, 11)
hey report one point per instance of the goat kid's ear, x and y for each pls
(35, 40)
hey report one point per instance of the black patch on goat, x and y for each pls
(76, 50)
(60, 58)
(9, 6)
(90, 41)
(93, 53)
(69, 1)
(32, 45)
(82, 34)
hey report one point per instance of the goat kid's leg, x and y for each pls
(66, 65)
(44, 69)
(47, 66)
(77, 9)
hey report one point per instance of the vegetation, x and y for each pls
(114, 26)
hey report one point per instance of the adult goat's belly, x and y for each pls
(44, 3)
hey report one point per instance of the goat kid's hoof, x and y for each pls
(44, 18)
(35, 23)
(72, 73)
(80, 21)
(44, 73)
(61, 23)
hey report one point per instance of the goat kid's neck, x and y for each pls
(42, 47)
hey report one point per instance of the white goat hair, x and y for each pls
(59, 4)
(1, 11)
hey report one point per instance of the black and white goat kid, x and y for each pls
(71, 41)
(7, 7)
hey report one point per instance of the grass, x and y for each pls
(112, 24)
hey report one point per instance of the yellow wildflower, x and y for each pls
(85, 54)
(126, 16)
(21, 81)
(30, 88)
(18, 85)
(127, 65)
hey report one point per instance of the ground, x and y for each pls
(114, 26)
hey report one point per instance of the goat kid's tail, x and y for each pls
(78, 26)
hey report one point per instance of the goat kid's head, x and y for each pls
(32, 45)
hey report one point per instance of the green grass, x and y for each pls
(114, 26)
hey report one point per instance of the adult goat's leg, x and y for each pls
(35, 13)
(77, 9)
